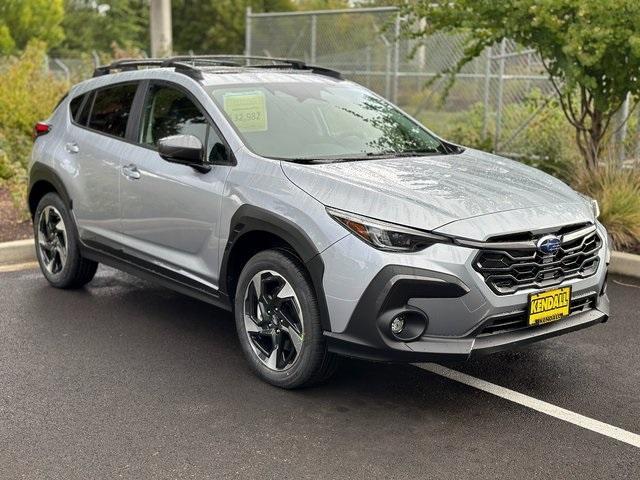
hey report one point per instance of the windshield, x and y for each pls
(318, 121)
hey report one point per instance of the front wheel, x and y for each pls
(278, 322)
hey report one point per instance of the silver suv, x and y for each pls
(328, 220)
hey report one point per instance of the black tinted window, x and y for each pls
(86, 110)
(74, 107)
(216, 151)
(169, 111)
(111, 109)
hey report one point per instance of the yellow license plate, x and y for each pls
(549, 306)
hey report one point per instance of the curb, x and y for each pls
(23, 251)
(625, 264)
(20, 251)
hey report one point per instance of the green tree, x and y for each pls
(99, 25)
(216, 26)
(25, 20)
(591, 50)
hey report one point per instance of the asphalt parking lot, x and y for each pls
(129, 380)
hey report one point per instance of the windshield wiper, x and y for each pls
(417, 153)
(367, 156)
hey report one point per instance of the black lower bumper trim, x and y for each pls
(429, 349)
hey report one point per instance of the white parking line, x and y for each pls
(535, 404)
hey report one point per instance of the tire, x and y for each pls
(67, 270)
(312, 363)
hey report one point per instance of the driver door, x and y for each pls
(170, 212)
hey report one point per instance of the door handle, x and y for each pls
(72, 147)
(131, 171)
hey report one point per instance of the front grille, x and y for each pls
(507, 271)
(517, 320)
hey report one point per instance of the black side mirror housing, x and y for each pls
(185, 150)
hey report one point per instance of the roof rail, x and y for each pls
(277, 62)
(129, 64)
(191, 65)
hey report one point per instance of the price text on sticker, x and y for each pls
(247, 110)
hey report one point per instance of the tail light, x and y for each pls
(40, 129)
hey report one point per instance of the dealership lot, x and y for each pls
(129, 380)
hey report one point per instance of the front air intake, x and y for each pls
(508, 271)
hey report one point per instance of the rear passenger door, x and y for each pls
(95, 146)
(170, 212)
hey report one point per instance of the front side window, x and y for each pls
(111, 108)
(320, 121)
(169, 111)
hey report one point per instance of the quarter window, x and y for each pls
(83, 117)
(111, 108)
(74, 107)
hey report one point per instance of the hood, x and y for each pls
(430, 192)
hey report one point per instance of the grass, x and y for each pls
(618, 193)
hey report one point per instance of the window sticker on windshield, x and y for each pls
(247, 110)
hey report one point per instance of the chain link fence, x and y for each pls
(497, 97)
(501, 101)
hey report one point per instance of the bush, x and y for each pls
(545, 143)
(29, 94)
(618, 193)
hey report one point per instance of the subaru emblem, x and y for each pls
(548, 245)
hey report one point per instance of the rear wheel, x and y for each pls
(57, 246)
(278, 322)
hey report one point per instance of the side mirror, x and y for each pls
(185, 150)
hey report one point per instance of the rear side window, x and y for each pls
(111, 108)
(74, 107)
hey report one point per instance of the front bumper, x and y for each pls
(457, 349)
(465, 317)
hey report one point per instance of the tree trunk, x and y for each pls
(589, 139)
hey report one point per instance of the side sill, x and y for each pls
(158, 275)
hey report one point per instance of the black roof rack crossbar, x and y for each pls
(191, 65)
(283, 62)
(133, 64)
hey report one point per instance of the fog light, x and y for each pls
(397, 325)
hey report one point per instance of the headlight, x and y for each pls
(386, 236)
(595, 207)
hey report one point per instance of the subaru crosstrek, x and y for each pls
(327, 219)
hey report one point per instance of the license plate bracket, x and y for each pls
(549, 306)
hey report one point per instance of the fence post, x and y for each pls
(396, 60)
(503, 50)
(314, 24)
(621, 134)
(247, 32)
(64, 68)
(387, 86)
(368, 60)
(96, 59)
(487, 91)
(636, 151)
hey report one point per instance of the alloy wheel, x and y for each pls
(52, 240)
(273, 320)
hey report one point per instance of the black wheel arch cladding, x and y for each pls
(248, 219)
(42, 180)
